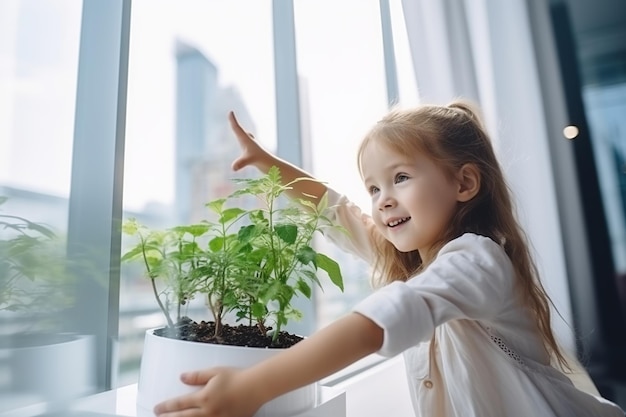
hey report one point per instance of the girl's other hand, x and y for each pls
(225, 394)
(251, 151)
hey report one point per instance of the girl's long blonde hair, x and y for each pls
(453, 136)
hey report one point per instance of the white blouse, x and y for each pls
(470, 347)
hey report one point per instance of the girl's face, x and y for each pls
(412, 199)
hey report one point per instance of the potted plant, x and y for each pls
(35, 292)
(248, 265)
(26, 256)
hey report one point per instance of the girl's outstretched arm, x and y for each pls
(253, 154)
(231, 392)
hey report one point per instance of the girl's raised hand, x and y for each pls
(251, 152)
(225, 394)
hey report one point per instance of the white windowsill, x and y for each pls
(374, 386)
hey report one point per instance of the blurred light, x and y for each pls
(148, 321)
(570, 132)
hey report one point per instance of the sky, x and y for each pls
(38, 59)
(339, 58)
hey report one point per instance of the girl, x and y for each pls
(459, 296)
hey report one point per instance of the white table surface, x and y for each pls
(122, 402)
(360, 396)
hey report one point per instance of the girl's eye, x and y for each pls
(401, 178)
(373, 189)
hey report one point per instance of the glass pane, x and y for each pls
(39, 360)
(190, 63)
(341, 71)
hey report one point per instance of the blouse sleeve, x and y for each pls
(471, 278)
(359, 226)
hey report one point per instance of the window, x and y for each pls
(183, 78)
(37, 287)
(341, 71)
(190, 63)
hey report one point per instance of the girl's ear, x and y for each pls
(468, 177)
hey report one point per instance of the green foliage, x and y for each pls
(171, 256)
(253, 262)
(34, 278)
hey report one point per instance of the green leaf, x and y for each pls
(258, 310)
(132, 254)
(306, 255)
(273, 292)
(307, 203)
(287, 232)
(332, 269)
(304, 288)
(258, 217)
(293, 314)
(323, 204)
(41, 229)
(312, 276)
(273, 174)
(194, 230)
(245, 248)
(246, 233)
(216, 244)
(284, 296)
(216, 205)
(258, 254)
(230, 214)
(230, 299)
(130, 226)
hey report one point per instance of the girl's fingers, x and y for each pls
(240, 163)
(237, 164)
(190, 401)
(234, 124)
(232, 119)
(194, 412)
(240, 132)
(198, 377)
(246, 141)
(176, 406)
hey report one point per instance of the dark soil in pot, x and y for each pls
(240, 335)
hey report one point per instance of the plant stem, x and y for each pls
(161, 306)
(262, 327)
(218, 320)
(181, 294)
(154, 288)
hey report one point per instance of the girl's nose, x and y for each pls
(386, 201)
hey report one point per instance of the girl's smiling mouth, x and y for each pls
(396, 222)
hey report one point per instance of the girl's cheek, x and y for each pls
(377, 221)
(374, 208)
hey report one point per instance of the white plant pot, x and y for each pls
(54, 367)
(165, 359)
